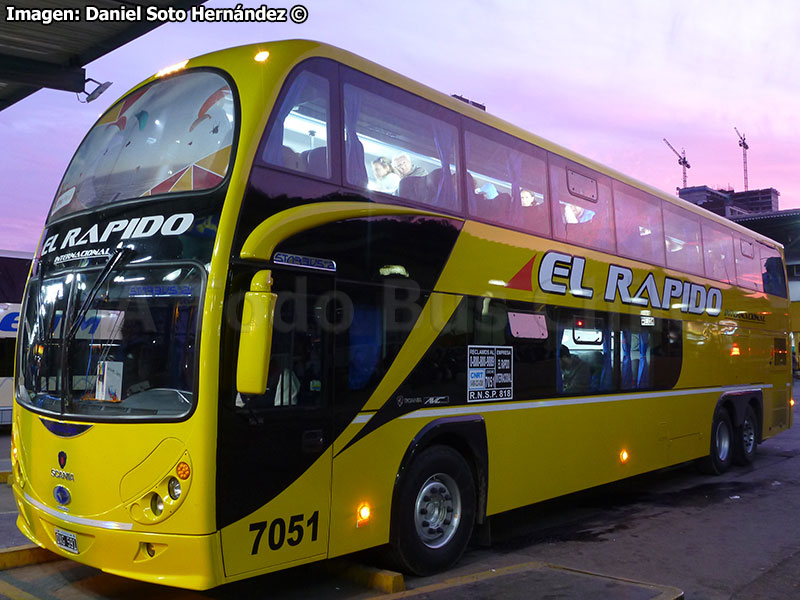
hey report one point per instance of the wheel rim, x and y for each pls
(723, 438)
(437, 511)
(748, 436)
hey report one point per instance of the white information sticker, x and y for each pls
(490, 373)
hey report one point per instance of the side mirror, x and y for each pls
(255, 343)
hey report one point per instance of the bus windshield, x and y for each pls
(173, 135)
(131, 355)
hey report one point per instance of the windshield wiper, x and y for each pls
(114, 260)
(66, 380)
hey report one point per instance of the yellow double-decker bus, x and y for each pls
(289, 305)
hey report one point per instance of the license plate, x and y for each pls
(67, 541)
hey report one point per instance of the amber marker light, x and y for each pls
(735, 351)
(791, 403)
(261, 56)
(362, 515)
(624, 456)
(183, 471)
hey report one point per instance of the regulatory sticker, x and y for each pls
(490, 373)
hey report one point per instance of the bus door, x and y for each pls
(286, 434)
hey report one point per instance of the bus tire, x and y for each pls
(720, 455)
(434, 513)
(745, 440)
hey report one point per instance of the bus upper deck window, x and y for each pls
(748, 264)
(682, 239)
(772, 272)
(581, 204)
(640, 228)
(298, 139)
(506, 181)
(394, 144)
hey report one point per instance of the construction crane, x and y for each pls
(743, 145)
(681, 160)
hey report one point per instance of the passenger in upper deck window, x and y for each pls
(488, 191)
(405, 168)
(528, 198)
(576, 214)
(386, 180)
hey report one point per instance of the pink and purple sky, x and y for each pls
(606, 78)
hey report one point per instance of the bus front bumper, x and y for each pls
(186, 561)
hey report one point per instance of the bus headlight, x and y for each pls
(157, 505)
(174, 487)
(165, 496)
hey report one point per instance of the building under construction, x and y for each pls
(732, 204)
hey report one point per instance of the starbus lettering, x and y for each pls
(122, 229)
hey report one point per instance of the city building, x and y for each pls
(731, 204)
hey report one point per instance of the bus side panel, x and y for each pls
(289, 530)
(542, 453)
(365, 473)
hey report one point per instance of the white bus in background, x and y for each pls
(14, 268)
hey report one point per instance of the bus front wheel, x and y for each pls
(721, 448)
(435, 512)
(746, 439)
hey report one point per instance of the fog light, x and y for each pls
(174, 488)
(156, 505)
(150, 549)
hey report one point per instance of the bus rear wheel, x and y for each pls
(434, 513)
(746, 439)
(722, 441)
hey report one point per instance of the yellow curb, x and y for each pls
(466, 579)
(381, 580)
(21, 556)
